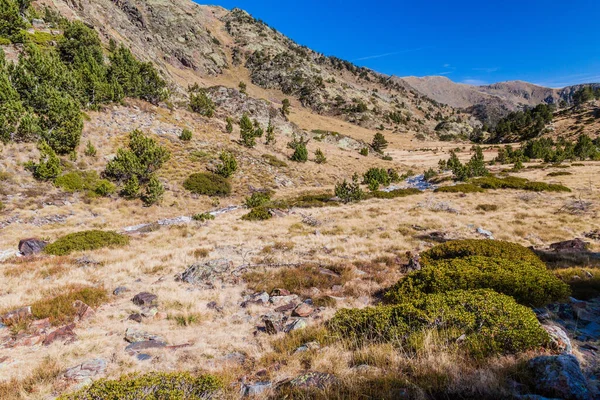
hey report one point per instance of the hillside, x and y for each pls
(193, 206)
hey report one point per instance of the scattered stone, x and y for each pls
(84, 312)
(559, 339)
(590, 332)
(120, 290)
(86, 261)
(145, 345)
(134, 336)
(570, 246)
(303, 310)
(270, 327)
(281, 300)
(214, 306)
(65, 334)
(328, 272)
(298, 324)
(144, 299)
(414, 262)
(86, 370)
(143, 357)
(149, 312)
(308, 346)
(205, 273)
(28, 247)
(16, 315)
(257, 298)
(256, 389)
(559, 376)
(485, 233)
(318, 380)
(135, 317)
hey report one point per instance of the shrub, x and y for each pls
(186, 135)
(584, 282)
(247, 132)
(104, 188)
(379, 143)
(487, 207)
(203, 217)
(258, 214)
(512, 182)
(349, 192)
(207, 184)
(131, 189)
(274, 161)
(460, 188)
(490, 323)
(229, 126)
(395, 193)
(228, 164)
(258, 199)
(60, 308)
(375, 177)
(154, 385)
(153, 192)
(300, 151)
(85, 241)
(364, 151)
(559, 173)
(483, 247)
(528, 284)
(200, 103)
(48, 168)
(90, 150)
(320, 157)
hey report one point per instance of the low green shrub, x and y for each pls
(512, 182)
(274, 161)
(309, 200)
(486, 322)
(481, 247)
(186, 135)
(528, 284)
(349, 192)
(460, 188)
(258, 199)
(228, 164)
(80, 181)
(85, 241)
(395, 193)
(487, 207)
(203, 217)
(559, 173)
(154, 385)
(364, 151)
(59, 309)
(258, 214)
(584, 282)
(208, 184)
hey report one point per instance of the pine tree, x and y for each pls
(48, 168)
(153, 192)
(379, 143)
(228, 164)
(320, 157)
(270, 137)
(131, 189)
(202, 104)
(247, 132)
(285, 107)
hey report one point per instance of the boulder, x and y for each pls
(205, 273)
(16, 315)
(65, 334)
(303, 310)
(133, 336)
(145, 345)
(559, 339)
(144, 299)
(84, 311)
(569, 246)
(559, 376)
(255, 389)
(31, 246)
(298, 324)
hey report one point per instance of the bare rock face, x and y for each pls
(28, 247)
(144, 299)
(559, 377)
(86, 370)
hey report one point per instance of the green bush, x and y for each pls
(320, 157)
(483, 247)
(395, 193)
(48, 168)
(203, 217)
(460, 188)
(349, 192)
(559, 173)
(207, 184)
(258, 199)
(186, 135)
(528, 284)
(274, 161)
(364, 151)
(258, 214)
(490, 323)
(85, 241)
(512, 182)
(375, 177)
(228, 164)
(77, 181)
(60, 310)
(200, 103)
(154, 385)
(153, 192)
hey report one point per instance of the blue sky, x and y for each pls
(552, 43)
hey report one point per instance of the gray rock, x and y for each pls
(558, 336)
(559, 376)
(148, 344)
(133, 336)
(143, 357)
(144, 299)
(300, 323)
(205, 273)
(256, 389)
(120, 290)
(31, 246)
(485, 233)
(86, 370)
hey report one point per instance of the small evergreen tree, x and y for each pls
(48, 168)
(247, 132)
(228, 164)
(186, 135)
(229, 127)
(320, 157)
(379, 143)
(300, 150)
(202, 104)
(131, 189)
(349, 192)
(285, 107)
(243, 87)
(153, 192)
(270, 137)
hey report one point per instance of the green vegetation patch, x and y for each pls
(528, 284)
(512, 182)
(261, 213)
(460, 188)
(584, 282)
(394, 193)
(85, 241)
(208, 184)
(482, 321)
(559, 173)
(483, 247)
(154, 385)
(80, 181)
(60, 308)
